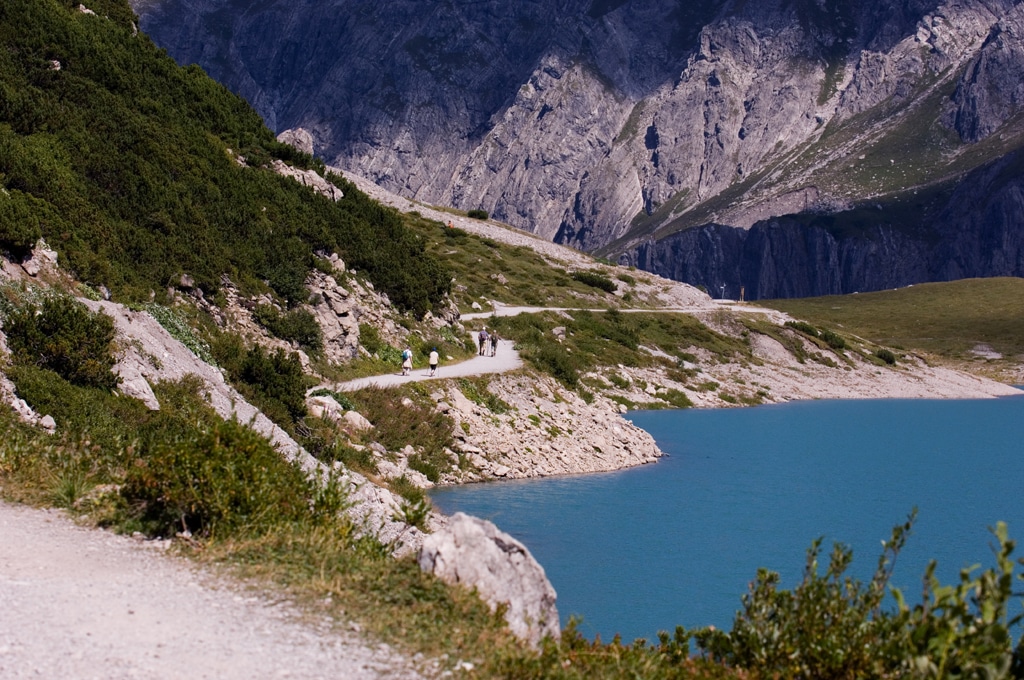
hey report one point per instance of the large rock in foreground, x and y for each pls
(477, 554)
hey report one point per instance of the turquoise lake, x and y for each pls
(677, 542)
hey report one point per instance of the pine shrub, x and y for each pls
(62, 335)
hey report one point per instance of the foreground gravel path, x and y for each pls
(83, 603)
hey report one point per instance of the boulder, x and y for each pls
(357, 421)
(298, 138)
(324, 406)
(475, 553)
(42, 258)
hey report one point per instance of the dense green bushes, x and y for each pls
(223, 477)
(125, 163)
(831, 626)
(278, 383)
(295, 325)
(63, 336)
(478, 214)
(595, 280)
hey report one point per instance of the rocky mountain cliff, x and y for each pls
(610, 125)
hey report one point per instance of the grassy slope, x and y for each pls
(480, 264)
(943, 319)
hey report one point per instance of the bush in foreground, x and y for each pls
(223, 477)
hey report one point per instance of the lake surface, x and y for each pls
(677, 542)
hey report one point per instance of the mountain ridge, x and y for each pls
(603, 124)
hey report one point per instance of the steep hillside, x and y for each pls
(612, 126)
(146, 176)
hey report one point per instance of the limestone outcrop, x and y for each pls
(970, 229)
(535, 428)
(475, 553)
(310, 179)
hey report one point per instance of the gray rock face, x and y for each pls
(476, 554)
(604, 124)
(970, 230)
(299, 138)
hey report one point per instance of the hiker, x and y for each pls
(483, 341)
(450, 225)
(433, 361)
(494, 343)
(406, 361)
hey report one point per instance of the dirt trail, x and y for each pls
(506, 359)
(84, 603)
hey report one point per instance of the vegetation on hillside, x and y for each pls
(127, 164)
(942, 319)
(486, 270)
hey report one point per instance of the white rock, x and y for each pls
(48, 423)
(299, 138)
(477, 554)
(357, 421)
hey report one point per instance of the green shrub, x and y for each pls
(827, 627)
(677, 398)
(832, 626)
(595, 280)
(886, 355)
(296, 325)
(278, 383)
(22, 217)
(803, 327)
(62, 335)
(369, 338)
(833, 339)
(222, 478)
(478, 214)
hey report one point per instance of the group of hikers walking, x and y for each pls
(488, 348)
(488, 341)
(407, 361)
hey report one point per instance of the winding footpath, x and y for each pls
(506, 359)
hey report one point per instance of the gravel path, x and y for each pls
(506, 359)
(84, 603)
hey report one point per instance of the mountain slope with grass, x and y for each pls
(195, 404)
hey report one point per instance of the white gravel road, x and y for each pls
(506, 359)
(82, 603)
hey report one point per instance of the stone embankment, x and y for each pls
(533, 427)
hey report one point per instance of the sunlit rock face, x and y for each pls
(609, 125)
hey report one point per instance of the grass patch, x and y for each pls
(487, 270)
(946, 319)
(415, 423)
(475, 389)
(598, 339)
